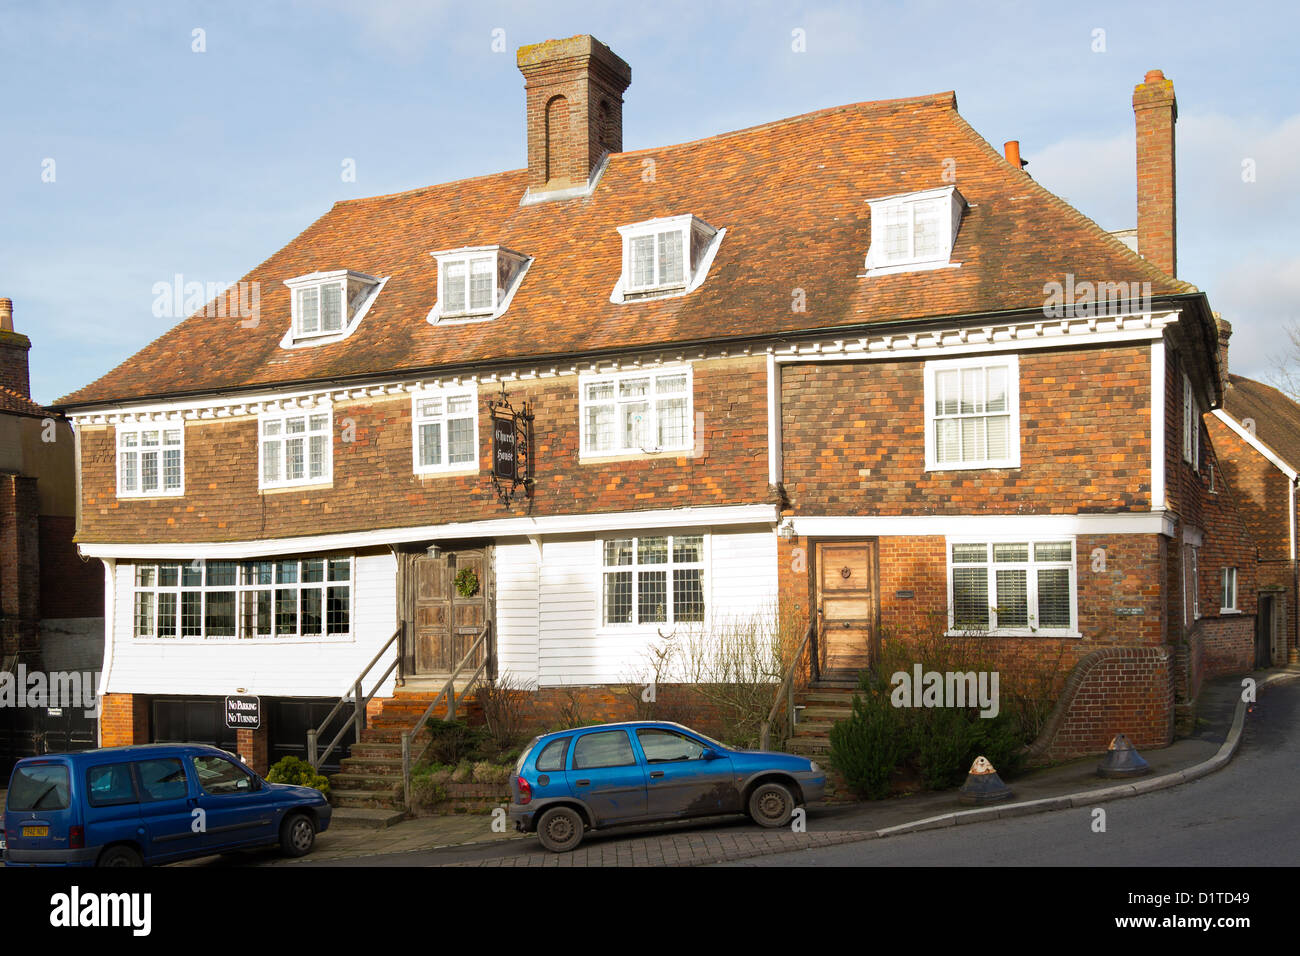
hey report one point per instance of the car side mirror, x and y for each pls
(710, 755)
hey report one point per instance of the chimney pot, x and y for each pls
(1011, 149)
(6, 315)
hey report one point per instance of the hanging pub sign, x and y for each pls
(512, 449)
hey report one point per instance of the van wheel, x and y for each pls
(771, 805)
(560, 829)
(297, 835)
(120, 856)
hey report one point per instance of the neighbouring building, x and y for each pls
(51, 599)
(854, 362)
(1257, 433)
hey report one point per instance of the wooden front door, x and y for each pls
(848, 598)
(446, 623)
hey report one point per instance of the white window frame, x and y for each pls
(138, 451)
(283, 416)
(1191, 425)
(445, 394)
(692, 276)
(650, 399)
(1012, 364)
(1228, 592)
(951, 204)
(1031, 583)
(502, 296)
(353, 311)
(1192, 584)
(243, 589)
(671, 534)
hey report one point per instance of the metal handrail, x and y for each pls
(449, 692)
(358, 718)
(786, 691)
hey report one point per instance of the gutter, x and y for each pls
(1173, 301)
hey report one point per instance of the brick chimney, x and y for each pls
(1156, 112)
(1225, 333)
(574, 94)
(14, 347)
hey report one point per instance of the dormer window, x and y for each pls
(664, 257)
(328, 306)
(913, 232)
(476, 284)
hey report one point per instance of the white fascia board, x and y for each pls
(1158, 424)
(983, 525)
(496, 527)
(1255, 443)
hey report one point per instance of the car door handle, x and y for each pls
(656, 773)
(583, 783)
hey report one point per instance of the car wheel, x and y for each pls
(771, 805)
(560, 829)
(120, 856)
(297, 835)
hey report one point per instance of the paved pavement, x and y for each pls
(469, 841)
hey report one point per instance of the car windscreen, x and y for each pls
(41, 786)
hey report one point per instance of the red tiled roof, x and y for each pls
(1276, 416)
(14, 403)
(792, 195)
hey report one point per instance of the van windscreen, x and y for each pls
(42, 786)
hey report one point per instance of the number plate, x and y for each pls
(36, 831)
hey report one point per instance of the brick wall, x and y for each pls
(70, 587)
(253, 748)
(854, 438)
(124, 720)
(375, 486)
(553, 708)
(1114, 690)
(20, 567)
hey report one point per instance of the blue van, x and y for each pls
(137, 806)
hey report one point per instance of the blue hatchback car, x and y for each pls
(134, 806)
(612, 774)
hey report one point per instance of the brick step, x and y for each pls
(808, 746)
(356, 818)
(374, 766)
(378, 751)
(825, 713)
(838, 697)
(806, 728)
(366, 799)
(353, 781)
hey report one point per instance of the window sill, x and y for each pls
(902, 267)
(600, 458)
(210, 641)
(451, 471)
(1006, 465)
(138, 495)
(305, 486)
(1229, 610)
(1041, 632)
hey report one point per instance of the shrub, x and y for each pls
(299, 773)
(504, 702)
(867, 746)
(452, 741)
(943, 740)
(463, 772)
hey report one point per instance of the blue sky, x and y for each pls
(169, 161)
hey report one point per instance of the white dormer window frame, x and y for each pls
(665, 257)
(914, 232)
(309, 295)
(464, 295)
